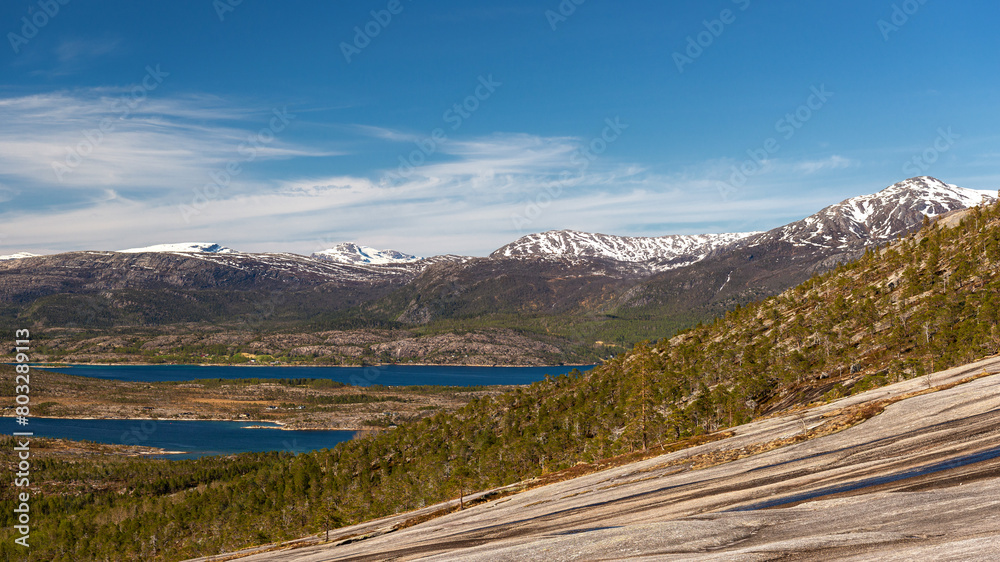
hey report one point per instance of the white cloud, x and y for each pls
(56, 141)
(73, 56)
(386, 134)
(834, 162)
(76, 49)
(472, 196)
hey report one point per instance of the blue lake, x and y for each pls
(194, 438)
(200, 438)
(386, 375)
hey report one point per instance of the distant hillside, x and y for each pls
(581, 296)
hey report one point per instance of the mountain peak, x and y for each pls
(184, 247)
(879, 217)
(352, 253)
(932, 189)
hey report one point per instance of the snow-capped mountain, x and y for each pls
(879, 217)
(18, 256)
(667, 252)
(354, 254)
(845, 226)
(184, 247)
(556, 272)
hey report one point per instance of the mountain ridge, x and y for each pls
(591, 288)
(876, 217)
(661, 252)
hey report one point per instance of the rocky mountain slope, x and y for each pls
(128, 289)
(895, 316)
(918, 481)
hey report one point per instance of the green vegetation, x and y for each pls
(929, 302)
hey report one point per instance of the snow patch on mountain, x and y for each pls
(18, 256)
(352, 253)
(184, 247)
(878, 217)
(664, 252)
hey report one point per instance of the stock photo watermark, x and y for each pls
(22, 478)
(580, 159)
(368, 376)
(365, 34)
(33, 23)
(223, 177)
(788, 126)
(455, 116)
(699, 42)
(138, 435)
(123, 107)
(920, 163)
(223, 7)
(900, 16)
(563, 11)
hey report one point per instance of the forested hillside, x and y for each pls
(924, 303)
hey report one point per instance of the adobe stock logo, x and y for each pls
(456, 116)
(222, 177)
(698, 43)
(580, 159)
(364, 35)
(123, 107)
(788, 126)
(30, 26)
(901, 14)
(563, 11)
(920, 163)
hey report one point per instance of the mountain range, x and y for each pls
(849, 417)
(579, 286)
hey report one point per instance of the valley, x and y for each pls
(784, 383)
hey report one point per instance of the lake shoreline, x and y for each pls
(276, 396)
(282, 426)
(127, 364)
(127, 437)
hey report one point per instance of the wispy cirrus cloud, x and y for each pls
(74, 56)
(129, 189)
(104, 138)
(73, 50)
(833, 162)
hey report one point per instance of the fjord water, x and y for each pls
(192, 438)
(201, 438)
(386, 375)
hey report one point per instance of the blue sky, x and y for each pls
(456, 127)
